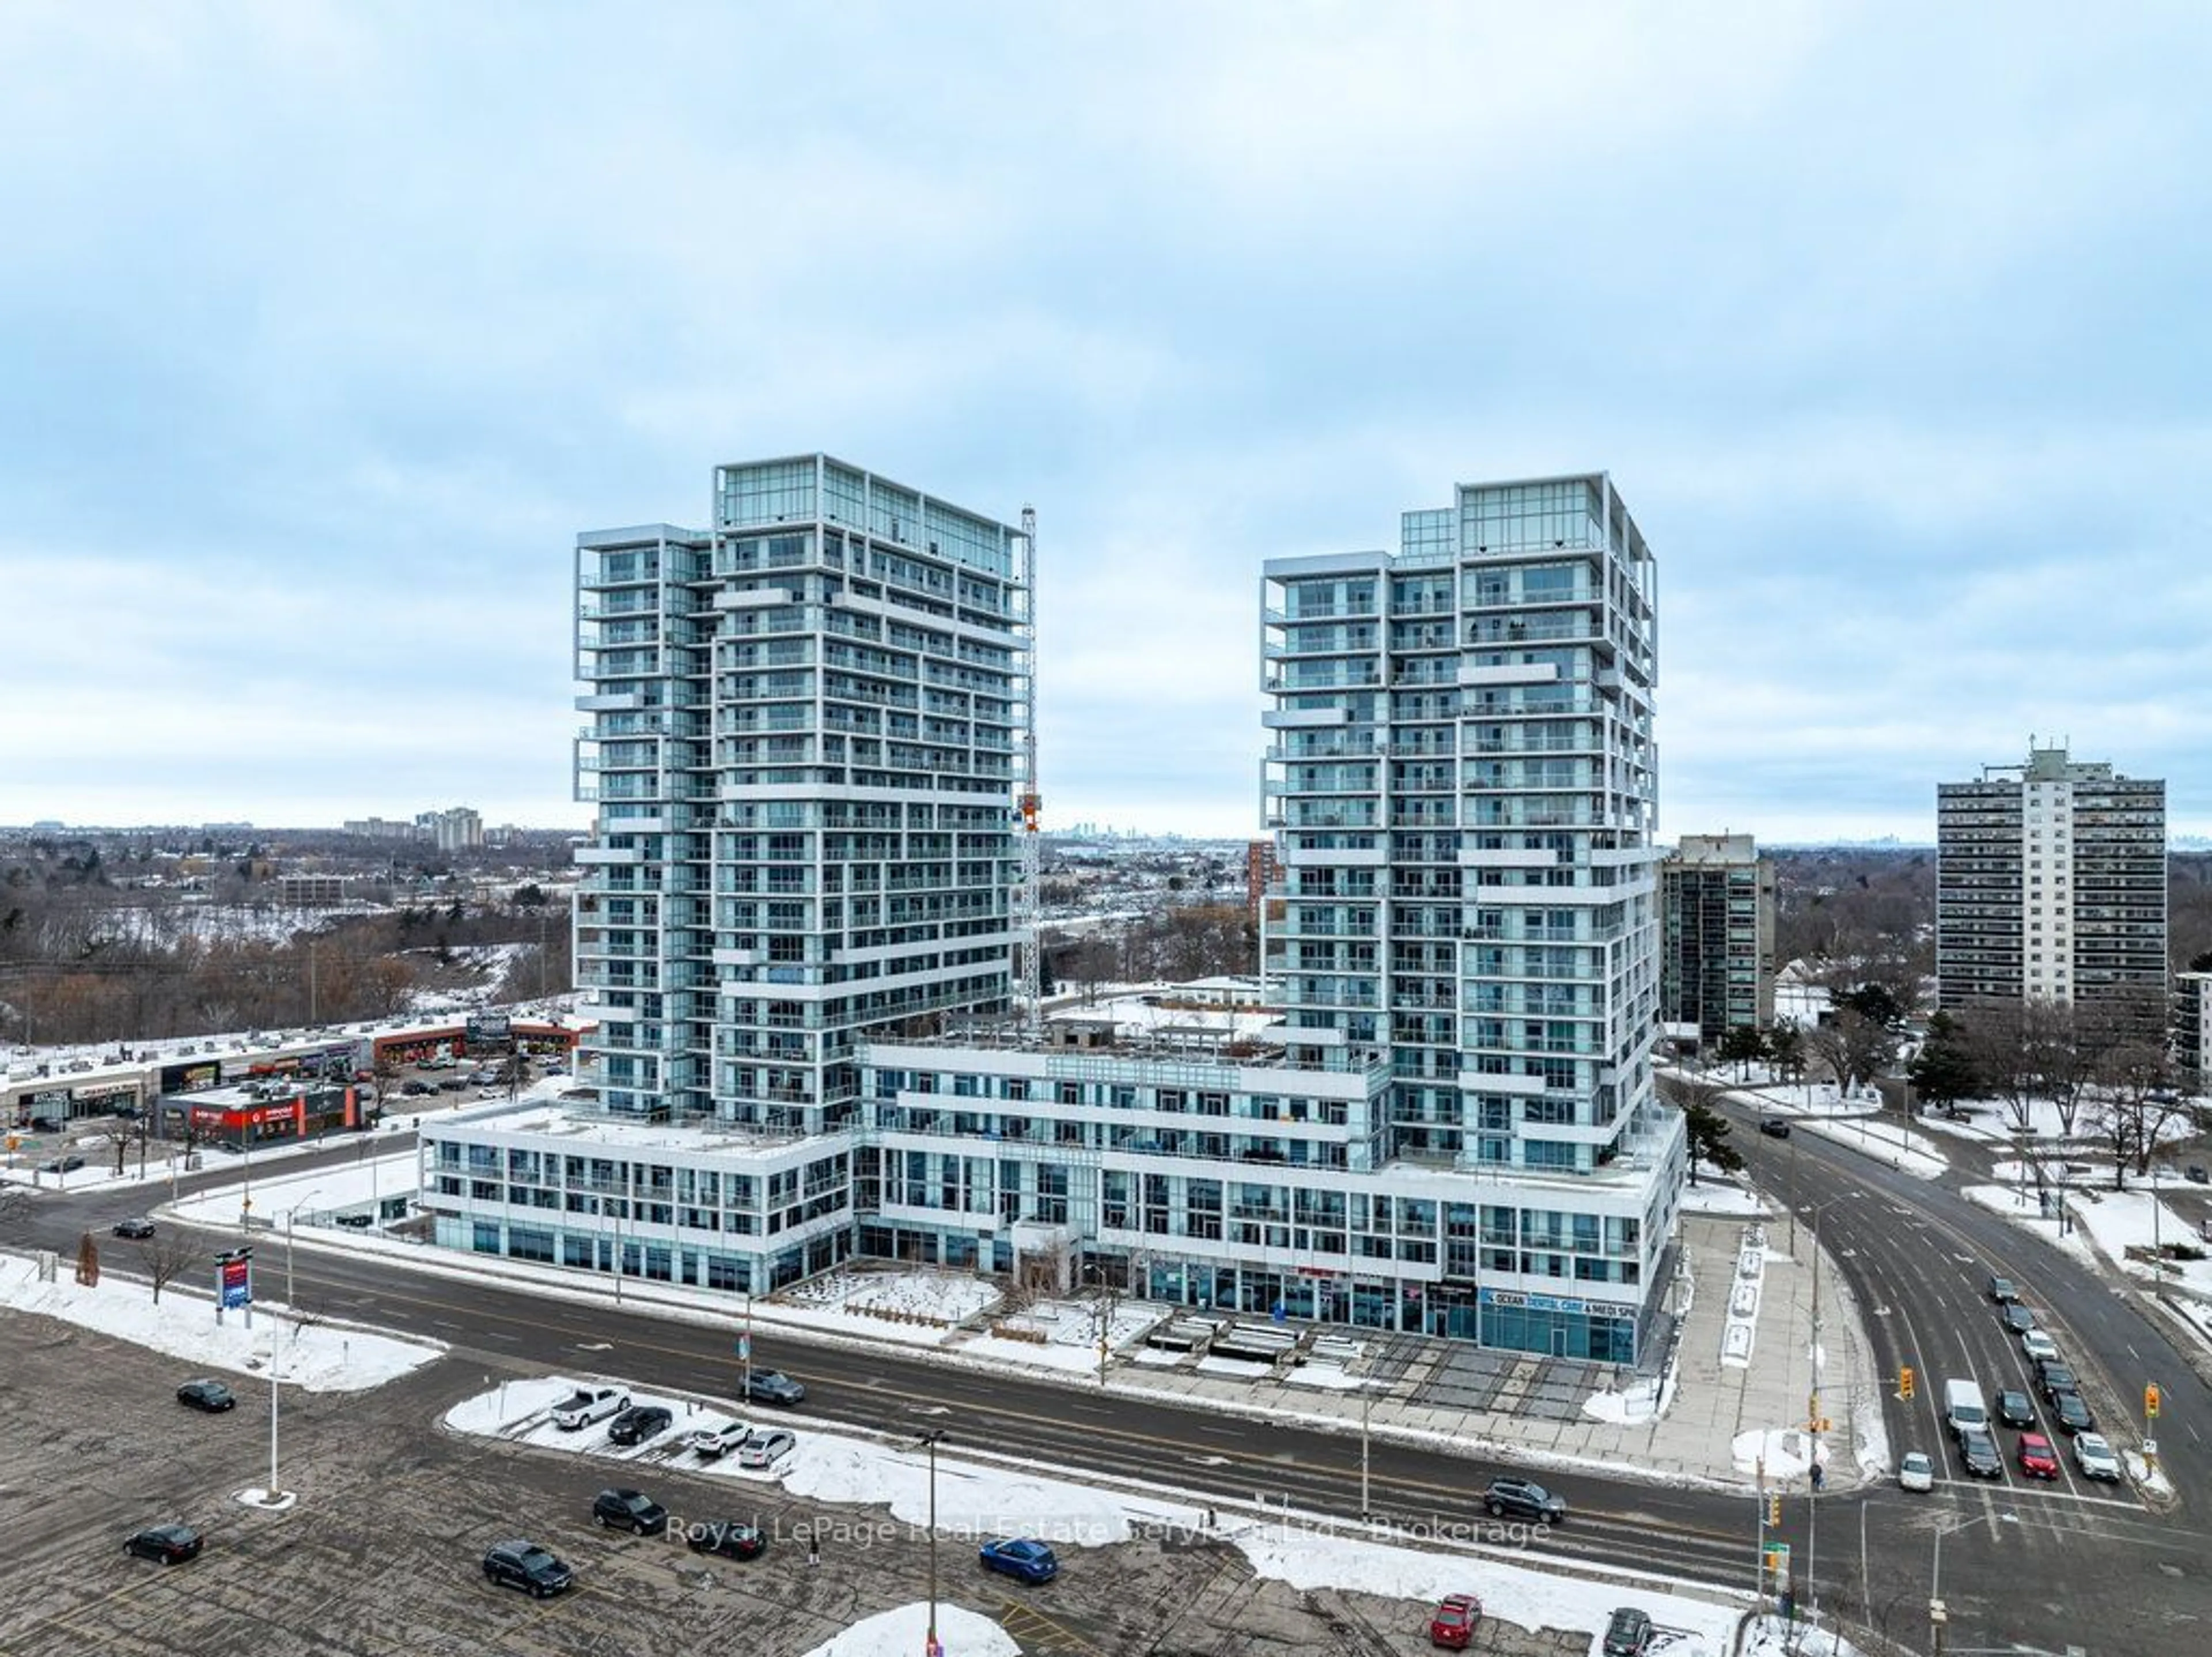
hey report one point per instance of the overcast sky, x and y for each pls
(324, 329)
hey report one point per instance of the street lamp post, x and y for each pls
(1366, 1404)
(275, 1338)
(928, 1440)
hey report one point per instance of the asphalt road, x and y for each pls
(2022, 1563)
(2023, 1568)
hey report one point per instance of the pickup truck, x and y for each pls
(587, 1404)
(718, 1438)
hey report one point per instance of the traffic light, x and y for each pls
(2150, 1400)
(1774, 1508)
(1905, 1382)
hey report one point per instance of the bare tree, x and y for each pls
(2134, 1103)
(2008, 1042)
(168, 1255)
(1854, 1048)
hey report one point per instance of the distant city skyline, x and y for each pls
(1886, 322)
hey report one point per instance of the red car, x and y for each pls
(1452, 1624)
(2037, 1459)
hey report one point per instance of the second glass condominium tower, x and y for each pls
(1462, 786)
(805, 725)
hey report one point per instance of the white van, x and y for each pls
(1963, 1407)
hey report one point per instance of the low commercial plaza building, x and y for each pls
(806, 848)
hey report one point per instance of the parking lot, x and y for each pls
(382, 1553)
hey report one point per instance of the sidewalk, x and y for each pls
(1724, 1406)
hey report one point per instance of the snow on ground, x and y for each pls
(1639, 1403)
(2022, 1211)
(1740, 1328)
(2155, 1483)
(960, 1633)
(1060, 1334)
(975, 1500)
(320, 1357)
(1778, 1452)
(1885, 1140)
(1326, 1374)
(2135, 1218)
(1514, 1594)
(1720, 1198)
(1773, 1637)
(939, 1298)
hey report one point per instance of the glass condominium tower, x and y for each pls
(805, 729)
(1462, 783)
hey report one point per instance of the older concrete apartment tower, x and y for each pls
(802, 750)
(1716, 906)
(2051, 885)
(1463, 787)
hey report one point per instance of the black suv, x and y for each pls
(209, 1395)
(1629, 1633)
(1774, 1127)
(1977, 1451)
(527, 1566)
(2054, 1378)
(1522, 1500)
(2072, 1414)
(725, 1536)
(640, 1422)
(633, 1510)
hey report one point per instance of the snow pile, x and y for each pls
(961, 1632)
(1778, 1452)
(939, 1299)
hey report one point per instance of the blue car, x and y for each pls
(1023, 1556)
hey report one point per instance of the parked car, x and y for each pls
(587, 1404)
(766, 1449)
(2093, 1455)
(2015, 1409)
(1774, 1127)
(61, 1165)
(2071, 1412)
(140, 1228)
(1521, 1498)
(1022, 1557)
(1915, 1471)
(416, 1089)
(527, 1566)
(2016, 1317)
(725, 1538)
(170, 1544)
(629, 1510)
(1978, 1452)
(2037, 1459)
(1451, 1625)
(2196, 1175)
(2001, 1290)
(2039, 1346)
(717, 1437)
(639, 1422)
(211, 1396)
(773, 1387)
(1628, 1633)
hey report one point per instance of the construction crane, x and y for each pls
(1031, 804)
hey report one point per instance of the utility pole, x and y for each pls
(1814, 1425)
